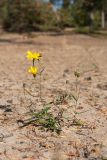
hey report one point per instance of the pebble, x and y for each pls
(102, 86)
(1, 137)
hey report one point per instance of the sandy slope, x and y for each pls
(62, 55)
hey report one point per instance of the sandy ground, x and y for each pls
(62, 55)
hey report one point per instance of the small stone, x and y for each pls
(67, 81)
(21, 142)
(24, 156)
(9, 101)
(8, 110)
(4, 106)
(88, 78)
(102, 86)
(66, 71)
(1, 137)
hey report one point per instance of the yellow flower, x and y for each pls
(33, 55)
(33, 70)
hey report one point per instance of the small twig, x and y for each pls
(25, 90)
(26, 123)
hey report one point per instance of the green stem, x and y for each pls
(33, 62)
(40, 82)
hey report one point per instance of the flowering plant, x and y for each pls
(33, 56)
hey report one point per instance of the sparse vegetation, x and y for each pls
(67, 117)
(53, 100)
